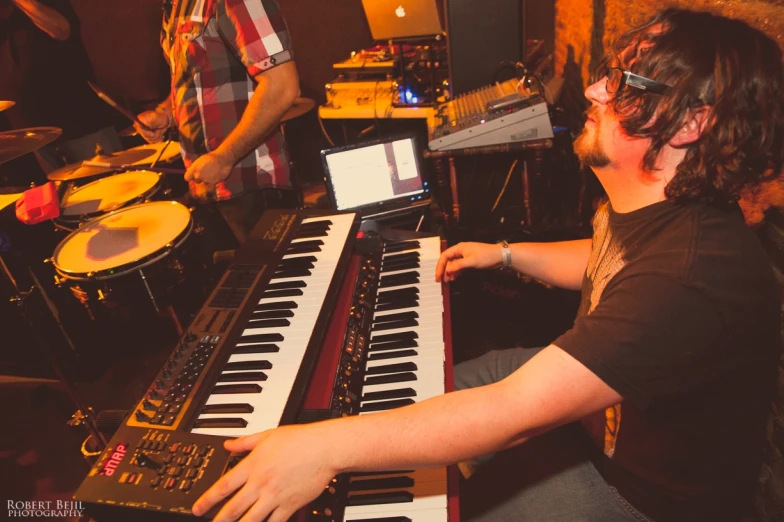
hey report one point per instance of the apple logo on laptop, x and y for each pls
(400, 11)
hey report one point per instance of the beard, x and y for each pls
(588, 149)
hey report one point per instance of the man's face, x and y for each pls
(603, 142)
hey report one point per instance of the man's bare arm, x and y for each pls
(560, 264)
(47, 19)
(289, 466)
(276, 91)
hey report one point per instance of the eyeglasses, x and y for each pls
(618, 78)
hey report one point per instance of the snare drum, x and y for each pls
(106, 195)
(106, 259)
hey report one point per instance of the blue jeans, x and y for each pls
(549, 478)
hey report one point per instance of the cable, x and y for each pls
(324, 131)
(503, 189)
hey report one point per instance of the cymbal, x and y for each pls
(6, 105)
(300, 107)
(74, 171)
(18, 142)
(77, 171)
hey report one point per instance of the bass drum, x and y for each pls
(107, 195)
(129, 256)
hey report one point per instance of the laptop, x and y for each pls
(397, 19)
(377, 178)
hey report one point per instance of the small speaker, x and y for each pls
(481, 34)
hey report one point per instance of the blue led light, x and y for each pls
(409, 95)
(425, 183)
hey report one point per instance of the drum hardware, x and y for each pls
(19, 142)
(20, 298)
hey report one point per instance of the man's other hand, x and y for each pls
(467, 255)
(211, 168)
(156, 121)
(287, 468)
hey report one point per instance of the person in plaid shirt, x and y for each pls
(232, 79)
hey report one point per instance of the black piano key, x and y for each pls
(390, 378)
(397, 246)
(303, 250)
(236, 388)
(400, 393)
(400, 336)
(399, 257)
(291, 292)
(228, 422)
(386, 405)
(377, 356)
(312, 242)
(235, 407)
(247, 365)
(261, 338)
(242, 377)
(397, 267)
(395, 280)
(273, 314)
(281, 305)
(381, 483)
(394, 345)
(393, 497)
(297, 261)
(393, 325)
(395, 317)
(312, 232)
(396, 305)
(257, 348)
(320, 222)
(411, 292)
(382, 519)
(295, 264)
(286, 284)
(268, 323)
(392, 368)
(294, 272)
(402, 275)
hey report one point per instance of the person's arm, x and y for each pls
(157, 121)
(276, 91)
(45, 18)
(288, 467)
(561, 264)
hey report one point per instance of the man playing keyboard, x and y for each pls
(665, 377)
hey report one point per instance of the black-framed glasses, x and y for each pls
(617, 78)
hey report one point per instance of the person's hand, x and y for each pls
(467, 255)
(156, 122)
(211, 168)
(287, 468)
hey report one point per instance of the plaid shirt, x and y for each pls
(214, 49)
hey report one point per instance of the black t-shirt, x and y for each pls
(680, 314)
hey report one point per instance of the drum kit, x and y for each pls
(121, 224)
(120, 217)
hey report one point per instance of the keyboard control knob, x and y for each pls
(190, 337)
(143, 461)
(142, 417)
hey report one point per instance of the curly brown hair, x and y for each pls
(711, 61)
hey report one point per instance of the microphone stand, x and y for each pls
(20, 298)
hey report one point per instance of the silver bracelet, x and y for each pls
(506, 255)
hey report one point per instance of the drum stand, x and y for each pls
(84, 413)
